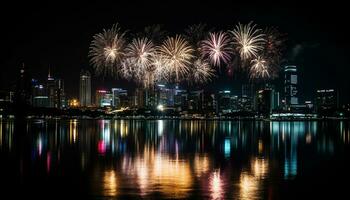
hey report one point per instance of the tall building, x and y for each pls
(180, 99)
(99, 95)
(60, 97)
(23, 88)
(248, 97)
(85, 88)
(39, 95)
(226, 102)
(264, 101)
(290, 86)
(119, 97)
(164, 95)
(196, 100)
(55, 92)
(51, 90)
(267, 100)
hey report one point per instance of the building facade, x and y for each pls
(85, 88)
(290, 86)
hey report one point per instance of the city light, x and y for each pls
(160, 107)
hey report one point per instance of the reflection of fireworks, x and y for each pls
(217, 48)
(106, 51)
(177, 54)
(202, 72)
(259, 68)
(248, 40)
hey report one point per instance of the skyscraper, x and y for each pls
(290, 86)
(85, 88)
(51, 90)
(119, 97)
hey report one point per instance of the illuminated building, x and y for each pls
(55, 92)
(227, 102)
(103, 98)
(326, 99)
(247, 100)
(51, 90)
(119, 97)
(267, 100)
(6, 96)
(39, 96)
(60, 97)
(196, 100)
(165, 95)
(210, 102)
(290, 86)
(140, 98)
(85, 88)
(180, 99)
(23, 88)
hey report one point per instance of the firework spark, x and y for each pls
(259, 68)
(177, 55)
(107, 51)
(202, 72)
(217, 48)
(141, 50)
(248, 40)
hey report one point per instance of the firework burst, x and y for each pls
(248, 40)
(259, 69)
(107, 51)
(202, 72)
(176, 53)
(217, 48)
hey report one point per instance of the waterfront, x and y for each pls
(176, 159)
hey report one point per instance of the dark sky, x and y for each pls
(59, 35)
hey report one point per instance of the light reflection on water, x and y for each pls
(175, 159)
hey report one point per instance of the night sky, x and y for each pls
(59, 35)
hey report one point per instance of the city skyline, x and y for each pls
(306, 41)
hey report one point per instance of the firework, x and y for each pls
(202, 72)
(217, 48)
(248, 40)
(107, 51)
(259, 68)
(141, 51)
(176, 53)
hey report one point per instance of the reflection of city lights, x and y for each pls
(260, 146)
(216, 185)
(172, 176)
(227, 147)
(40, 145)
(160, 107)
(48, 161)
(73, 132)
(259, 167)
(110, 183)
(123, 128)
(248, 187)
(101, 147)
(0, 132)
(308, 138)
(160, 127)
(201, 164)
(142, 175)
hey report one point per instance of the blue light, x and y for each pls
(227, 147)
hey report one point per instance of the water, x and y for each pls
(172, 159)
